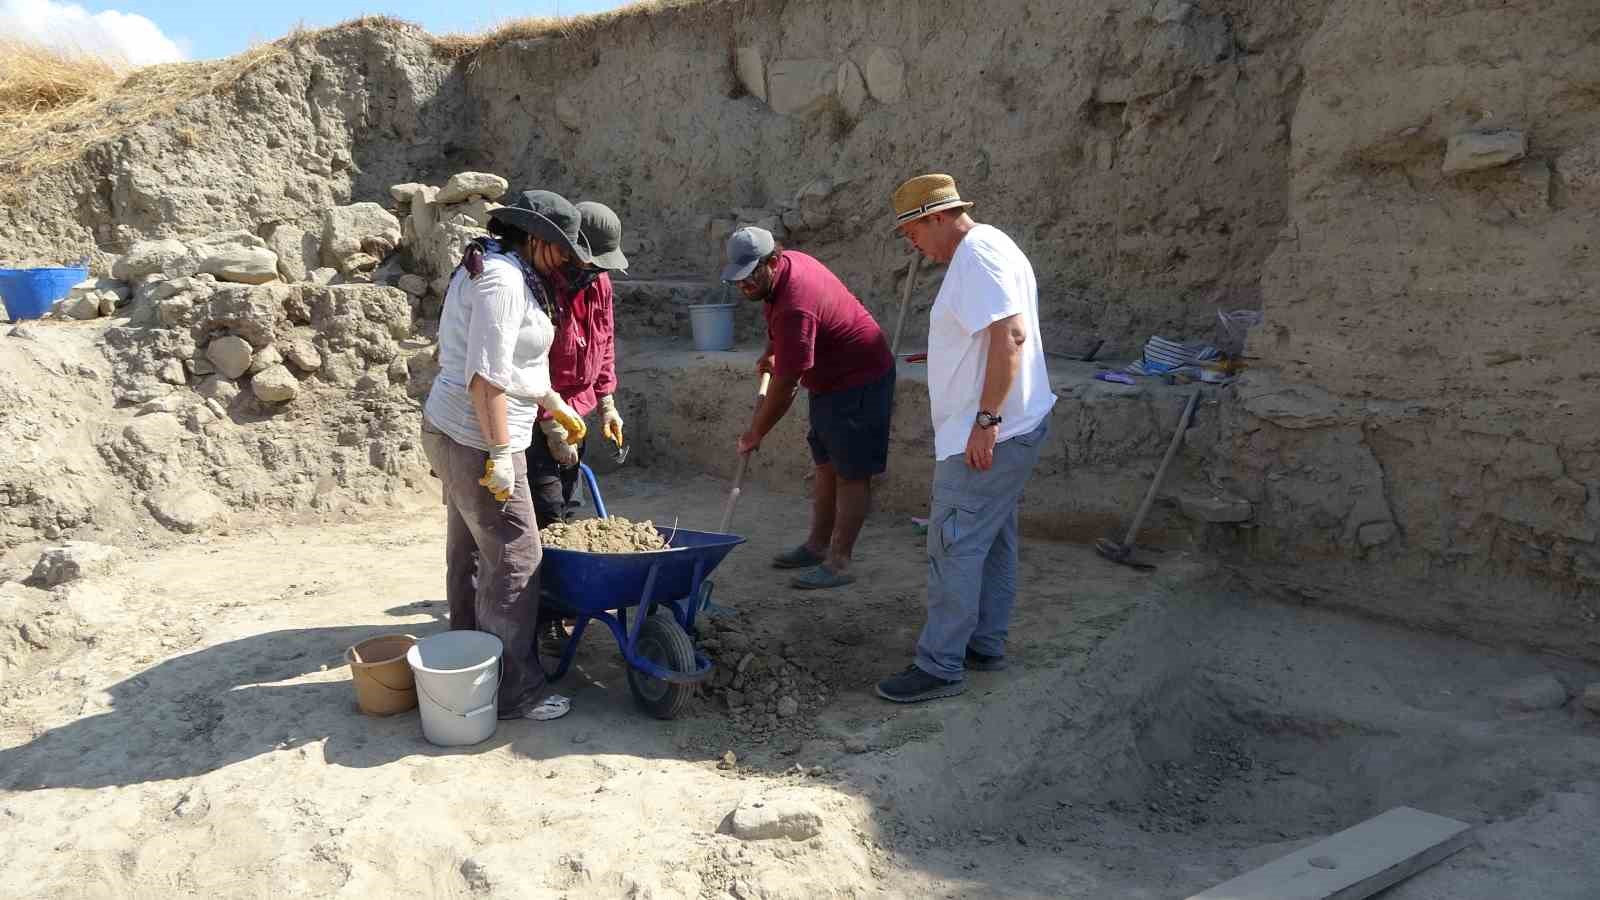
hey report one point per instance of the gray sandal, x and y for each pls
(822, 578)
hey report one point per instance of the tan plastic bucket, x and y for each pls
(384, 682)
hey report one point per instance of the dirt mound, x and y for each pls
(610, 535)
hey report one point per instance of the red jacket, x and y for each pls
(583, 358)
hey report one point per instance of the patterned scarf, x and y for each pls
(472, 261)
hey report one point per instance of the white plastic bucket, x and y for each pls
(458, 682)
(713, 325)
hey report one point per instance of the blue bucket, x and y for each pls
(29, 293)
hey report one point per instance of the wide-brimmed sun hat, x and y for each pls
(549, 217)
(925, 195)
(602, 228)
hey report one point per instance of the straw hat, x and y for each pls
(924, 195)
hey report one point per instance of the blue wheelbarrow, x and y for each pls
(663, 589)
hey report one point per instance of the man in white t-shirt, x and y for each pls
(991, 400)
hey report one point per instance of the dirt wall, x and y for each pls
(1427, 445)
(1408, 189)
(1140, 153)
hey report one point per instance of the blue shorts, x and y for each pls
(850, 428)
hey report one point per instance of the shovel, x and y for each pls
(744, 462)
(1122, 554)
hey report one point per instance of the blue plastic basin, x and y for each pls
(29, 293)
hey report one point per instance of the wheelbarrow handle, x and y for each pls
(594, 489)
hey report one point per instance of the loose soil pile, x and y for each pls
(610, 535)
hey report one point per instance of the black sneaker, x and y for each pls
(914, 685)
(982, 662)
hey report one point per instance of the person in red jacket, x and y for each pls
(583, 365)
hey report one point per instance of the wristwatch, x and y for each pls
(987, 419)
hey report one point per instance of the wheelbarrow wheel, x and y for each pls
(663, 642)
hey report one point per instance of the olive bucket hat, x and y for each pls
(602, 228)
(547, 216)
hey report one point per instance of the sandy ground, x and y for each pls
(186, 727)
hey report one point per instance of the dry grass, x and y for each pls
(301, 33)
(36, 80)
(45, 136)
(54, 106)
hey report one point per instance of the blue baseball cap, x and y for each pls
(747, 247)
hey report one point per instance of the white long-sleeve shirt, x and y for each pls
(492, 327)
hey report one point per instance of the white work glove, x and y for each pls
(565, 454)
(499, 473)
(566, 417)
(611, 424)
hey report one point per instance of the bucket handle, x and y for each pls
(386, 685)
(476, 683)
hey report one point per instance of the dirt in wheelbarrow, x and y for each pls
(610, 535)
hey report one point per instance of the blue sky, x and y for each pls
(145, 31)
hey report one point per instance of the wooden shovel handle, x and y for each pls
(744, 458)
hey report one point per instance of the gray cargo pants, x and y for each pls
(502, 539)
(972, 555)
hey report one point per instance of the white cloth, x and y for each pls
(492, 327)
(989, 279)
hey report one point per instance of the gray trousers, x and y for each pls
(972, 555)
(502, 540)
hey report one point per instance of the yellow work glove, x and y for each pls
(611, 424)
(555, 437)
(571, 421)
(499, 473)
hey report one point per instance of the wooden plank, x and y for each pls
(1355, 863)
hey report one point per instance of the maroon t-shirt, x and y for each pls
(819, 331)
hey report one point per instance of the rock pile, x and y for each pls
(271, 368)
(359, 243)
(768, 692)
(92, 298)
(438, 224)
(255, 315)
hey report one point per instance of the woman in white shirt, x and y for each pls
(494, 375)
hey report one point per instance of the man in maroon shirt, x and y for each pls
(583, 365)
(819, 336)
